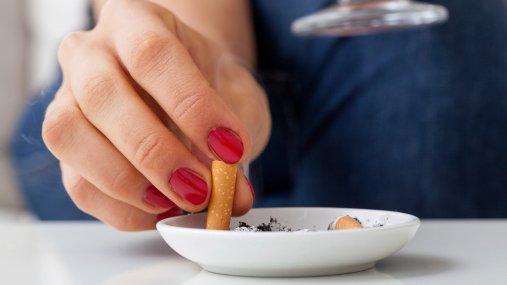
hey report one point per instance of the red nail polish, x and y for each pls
(171, 213)
(251, 189)
(226, 144)
(189, 186)
(154, 197)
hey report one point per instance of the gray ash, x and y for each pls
(272, 226)
(377, 222)
(275, 226)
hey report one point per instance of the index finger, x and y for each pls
(156, 50)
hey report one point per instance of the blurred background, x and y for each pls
(30, 31)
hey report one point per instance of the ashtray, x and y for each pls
(309, 249)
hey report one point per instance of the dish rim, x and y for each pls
(413, 221)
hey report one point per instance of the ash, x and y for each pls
(275, 226)
(272, 226)
(377, 222)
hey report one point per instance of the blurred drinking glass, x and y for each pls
(360, 17)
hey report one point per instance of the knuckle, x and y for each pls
(80, 194)
(188, 105)
(149, 53)
(95, 90)
(150, 150)
(58, 127)
(122, 181)
(69, 44)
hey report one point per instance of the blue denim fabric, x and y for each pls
(37, 170)
(414, 121)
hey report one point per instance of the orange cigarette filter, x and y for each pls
(223, 177)
(347, 222)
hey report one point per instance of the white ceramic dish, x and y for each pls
(277, 254)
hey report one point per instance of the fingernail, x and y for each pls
(226, 144)
(171, 213)
(189, 186)
(251, 188)
(154, 197)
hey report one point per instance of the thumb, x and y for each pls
(236, 84)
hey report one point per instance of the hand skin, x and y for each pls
(148, 101)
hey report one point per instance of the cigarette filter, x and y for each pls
(222, 195)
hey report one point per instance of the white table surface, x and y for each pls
(443, 252)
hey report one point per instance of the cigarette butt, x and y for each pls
(223, 177)
(346, 222)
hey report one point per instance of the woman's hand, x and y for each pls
(146, 103)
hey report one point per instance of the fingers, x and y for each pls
(245, 193)
(152, 52)
(73, 140)
(111, 104)
(116, 142)
(92, 201)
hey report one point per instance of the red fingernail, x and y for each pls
(226, 144)
(251, 188)
(189, 186)
(171, 213)
(154, 197)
